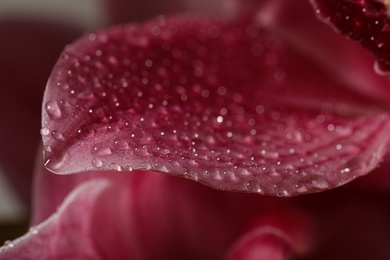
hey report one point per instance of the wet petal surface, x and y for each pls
(226, 105)
(366, 21)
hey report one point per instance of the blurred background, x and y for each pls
(32, 35)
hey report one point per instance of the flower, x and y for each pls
(238, 103)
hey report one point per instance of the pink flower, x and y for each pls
(262, 100)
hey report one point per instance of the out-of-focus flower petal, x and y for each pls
(366, 22)
(64, 235)
(49, 190)
(349, 62)
(149, 206)
(229, 106)
(28, 51)
(155, 215)
(261, 244)
(275, 235)
(172, 218)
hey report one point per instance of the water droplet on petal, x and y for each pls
(53, 110)
(45, 131)
(56, 163)
(120, 145)
(33, 230)
(253, 186)
(9, 244)
(58, 136)
(100, 151)
(115, 167)
(97, 163)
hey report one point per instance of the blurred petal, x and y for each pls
(64, 235)
(171, 218)
(159, 216)
(226, 105)
(50, 190)
(366, 22)
(276, 235)
(261, 244)
(28, 50)
(148, 206)
(346, 59)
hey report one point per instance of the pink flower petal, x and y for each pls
(365, 21)
(346, 59)
(66, 234)
(155, 215)
(171, 218)
(139, 224)
(159, 216)
(51, 189)
(226, 105)
(261, 244)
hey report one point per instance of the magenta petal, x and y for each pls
(261, 244)
(347, 60)
(161, 217)
(64, 235)
(226, 105)
(365, 21)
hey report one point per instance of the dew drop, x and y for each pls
(97, 163)
(100, 151)
(229, 175)
(253, 186)
(9, 244)
(270, 154)
(315, 182)
(45, 131)
(378, 68)
(115, 167)
(213, 174)
(320, 183)
(58, 162)
(120, 145)
(283, 193)
(141, 151)
(33, 230)
(47, 148)
(53, 110)
(58, 136)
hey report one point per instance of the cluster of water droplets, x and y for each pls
(365, 21)
(194, 98)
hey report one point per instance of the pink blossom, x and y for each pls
(213, 137)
